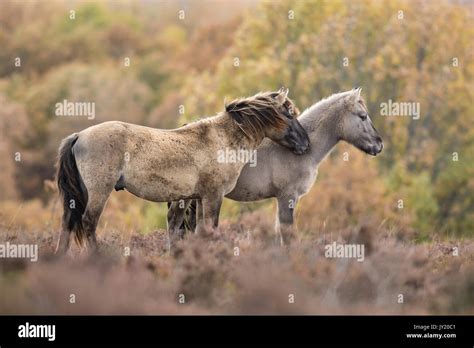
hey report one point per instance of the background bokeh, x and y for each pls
(412, 207)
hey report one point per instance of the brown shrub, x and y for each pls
(256, 278)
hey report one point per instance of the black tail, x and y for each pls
(71, 188)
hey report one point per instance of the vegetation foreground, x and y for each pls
(239, 272)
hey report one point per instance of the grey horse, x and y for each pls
(282, 175)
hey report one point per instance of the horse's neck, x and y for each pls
(234, 136)
(321, 128)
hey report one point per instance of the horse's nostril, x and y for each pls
(380, 147)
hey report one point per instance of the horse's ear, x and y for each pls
(282, 94)
(356, 92)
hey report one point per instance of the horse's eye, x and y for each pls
(363, 116)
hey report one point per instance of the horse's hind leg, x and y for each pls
(90, 219)
(64, 239)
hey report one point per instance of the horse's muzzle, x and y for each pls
(300, 150)
(374, 150)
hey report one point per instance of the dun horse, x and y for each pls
(167, 165)
(342, 116)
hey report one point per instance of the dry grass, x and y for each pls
(259, 280)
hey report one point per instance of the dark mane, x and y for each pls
(254, 114)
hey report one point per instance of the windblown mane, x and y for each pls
(254, 114)
(312, 116)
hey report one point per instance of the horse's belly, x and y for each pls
(162, 195)
(248, 195)
(248, 191)
(253, 184)
(162, 188)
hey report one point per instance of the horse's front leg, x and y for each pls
(190, 219)
(175, 219)
(199, 214)
(284, 225)
(211, 207)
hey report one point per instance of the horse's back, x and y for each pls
(101, 138)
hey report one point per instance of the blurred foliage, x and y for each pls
(404, 56)
(84, 59)
(299, 44)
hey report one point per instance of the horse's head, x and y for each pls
(292, 135)
(355, 125)
(272, 115)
